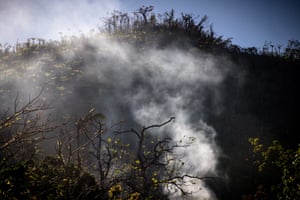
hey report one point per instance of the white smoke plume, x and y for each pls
(143, 86)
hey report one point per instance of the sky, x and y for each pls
(248, 23)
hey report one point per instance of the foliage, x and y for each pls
(22, 129)
(46, 180)
(293, 49)
(92, 161)
(280, 162)
(146, 27)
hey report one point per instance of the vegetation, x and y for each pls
(147, 28)
(275, 159)
(91, 162)
(95, 160)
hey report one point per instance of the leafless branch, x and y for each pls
(24, 124)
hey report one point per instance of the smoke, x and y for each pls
(143, 87)
(45, 19)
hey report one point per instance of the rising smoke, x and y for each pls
(142, 86)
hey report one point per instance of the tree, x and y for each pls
(144, 11)
(22, 128)
(127, 164)
(117, 22)
(155, 168)
(293, 49)
(280, 163)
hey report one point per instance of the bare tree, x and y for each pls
(129, 162)
(23, 128)
(90, 147)
(144, 11)
(155, 167)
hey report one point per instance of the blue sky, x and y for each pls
(249, 23)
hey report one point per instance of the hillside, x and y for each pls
(60, 99)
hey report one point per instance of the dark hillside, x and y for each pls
(264, 106)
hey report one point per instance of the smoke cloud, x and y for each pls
(141, 86)
(46, 19)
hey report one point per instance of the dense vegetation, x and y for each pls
(275, 159)
(94, 159)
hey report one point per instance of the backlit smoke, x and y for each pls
(50, 19)
(143, 87)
